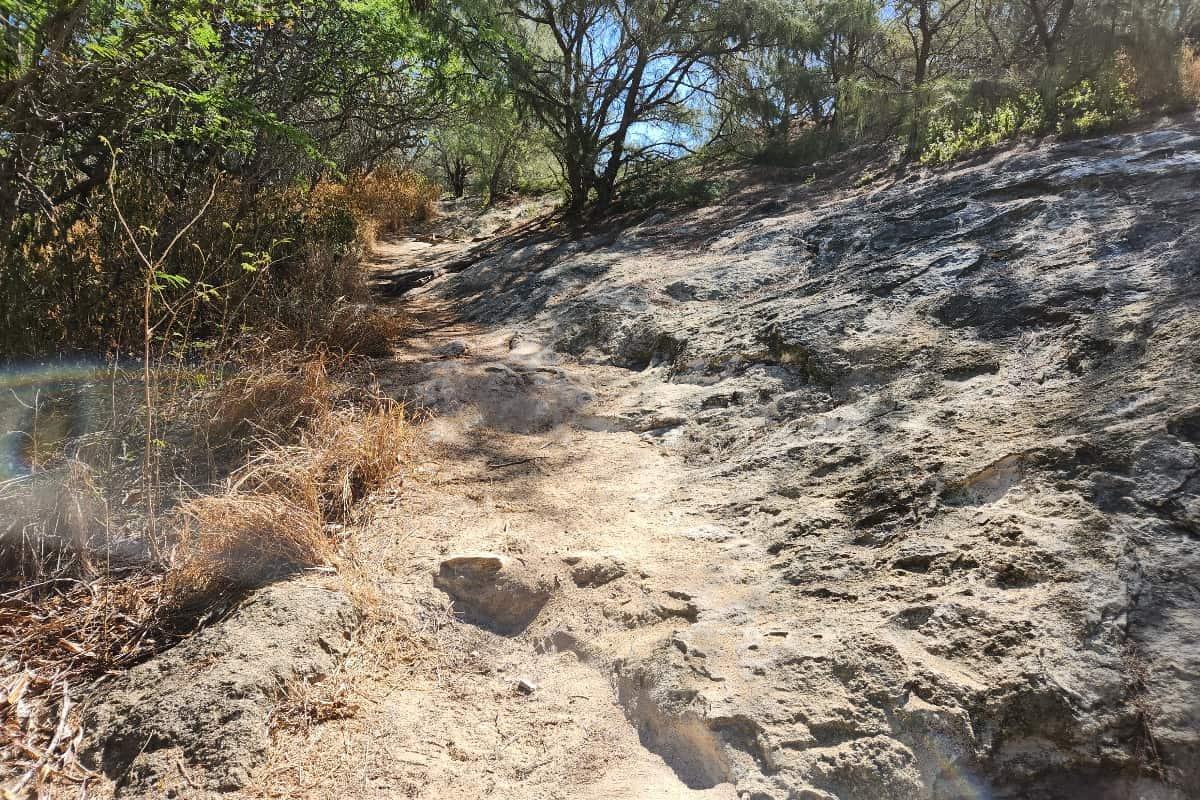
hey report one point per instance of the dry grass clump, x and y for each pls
(1189, 73)
(270, 400)
(302, 705)
(393, 198)
(89, 585)
(278, 511)
(364, 330)
(354, 455)
(238, 541)
(340, 330)
(85, 590)
(49, 524)
(341, 458)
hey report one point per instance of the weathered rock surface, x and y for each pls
(589, 570)
(398, 283)
(193, 722)
(958, 409)
(493, 590)
(513, 396)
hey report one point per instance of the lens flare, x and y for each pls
(44, 407)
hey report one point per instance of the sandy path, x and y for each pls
(518, 461)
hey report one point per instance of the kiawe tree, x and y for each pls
(931, 30)
(798, 77)
(611, 80)
(482, 141)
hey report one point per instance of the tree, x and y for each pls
(1034, 33)
(929, 26)
(611, 80)
(797, 76)
(487, 135)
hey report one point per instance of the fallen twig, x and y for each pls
(496, 464)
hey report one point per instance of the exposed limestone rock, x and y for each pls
(494, 591)
(958, 409)
(194, 720)
(591, 570)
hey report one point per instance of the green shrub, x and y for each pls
(1099, 104)
(670, 183)
(1088, 106)
(806, 147)
(947, 138)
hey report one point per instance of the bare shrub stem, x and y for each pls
(152, 268)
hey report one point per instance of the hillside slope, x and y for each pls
(957, 414)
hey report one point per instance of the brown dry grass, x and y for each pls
(40, 738)
(393, 198)
(270, 400)
(55, 639)
(263, 451)
(280, 510)
(83, 596)
(364, 330)
(76, 587)
(48, 523)
(238, 541)
(1189, 73)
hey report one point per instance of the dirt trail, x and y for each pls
(518, 462)
(816, 493)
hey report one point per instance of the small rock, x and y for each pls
(526, 686)
(687, 647)
(490, 590)
(667, 609)
(452, 349)
(589, 570)
(473, 564)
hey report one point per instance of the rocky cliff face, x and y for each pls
(960, 412)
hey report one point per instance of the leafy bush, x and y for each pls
(1098, 104)
(806, 147)
(669, 183)
(947, 139)
(1090, 105)
(278, 259)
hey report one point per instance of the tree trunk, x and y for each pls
(1051, 38)
(920, 76)
(497, 173)
(577, 188)
(458, 178)
(607, 183)
(579, 168)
